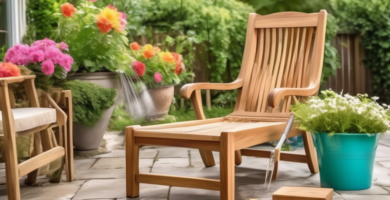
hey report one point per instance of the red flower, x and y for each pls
(104, 25)
(9, 69)
(139, 68)
(68, 9)
(135, 46)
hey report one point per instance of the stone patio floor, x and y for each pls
(103, 176)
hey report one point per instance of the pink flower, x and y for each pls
(123, 21)
(64, 46)
(139, 68)
(53, 53)
(158, 77)
(44, 43)
(36, 56)
(112, 7)
(92, 1)
(18, 54)
(47, 67)
(66, 62)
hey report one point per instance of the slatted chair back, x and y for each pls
(282, 50)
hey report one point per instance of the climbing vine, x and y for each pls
(371, 20)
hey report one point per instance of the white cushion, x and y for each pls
(28, 118)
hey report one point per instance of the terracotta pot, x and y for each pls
(162, 99)
(85, 138)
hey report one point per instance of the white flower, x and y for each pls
(374, 98)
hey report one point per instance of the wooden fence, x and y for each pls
(352, 77)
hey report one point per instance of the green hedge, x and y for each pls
(371, 20)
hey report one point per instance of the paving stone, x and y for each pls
(147, 153)
(385, 164)
(62, 191)
(83, 164)
(116, 153)
(366, 197)
(116, 188)
(119, 163)
(173, 152)
(100, 174)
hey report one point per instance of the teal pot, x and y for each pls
(346, 160)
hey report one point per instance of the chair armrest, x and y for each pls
(276, 95)
(188, 89)
(61, 115)
(15, 79)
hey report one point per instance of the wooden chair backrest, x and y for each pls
(282, 50)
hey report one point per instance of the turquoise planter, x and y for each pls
(346, 160)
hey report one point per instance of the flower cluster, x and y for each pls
(337, 113)
(97, 36)
(8, 70)
(155, 66)
(44, 52)
(108, 18)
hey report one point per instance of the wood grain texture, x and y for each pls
(132, 163)
(178, 181)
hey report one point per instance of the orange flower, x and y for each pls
(68, 9)
(135, 46)
(156, 49)
(110, 16)
(167, 57)
(148, 54)
(178, 61)
(9, 69)
(104, 25)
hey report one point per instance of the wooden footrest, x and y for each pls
(302, 193)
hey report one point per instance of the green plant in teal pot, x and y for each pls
(346, 131)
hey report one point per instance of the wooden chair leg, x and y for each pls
(238, 157)
(56, 176)
(132, 164)
(310, 150)
(227, 165)
(11, 167)
(207, 157)
(32, 176)
(276, 164)
(69, 149)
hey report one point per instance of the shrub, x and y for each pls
(371, 20)
(89, 101)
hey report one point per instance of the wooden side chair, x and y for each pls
(32, 120)
(283, 58)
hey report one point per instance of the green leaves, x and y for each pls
(370, 19)
(334, 113)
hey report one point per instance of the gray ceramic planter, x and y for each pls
(85, 138)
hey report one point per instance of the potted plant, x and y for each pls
(98, 44)
(160, 71)
(346, 131)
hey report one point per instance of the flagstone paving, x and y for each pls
(103, 176)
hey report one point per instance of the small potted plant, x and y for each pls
(160, 71)
(346, 131)
(99, 46)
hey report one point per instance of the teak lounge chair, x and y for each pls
(33, 120)
(283, 58)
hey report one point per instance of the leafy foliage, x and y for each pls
(91, 49)
(331, 56)
(40, 19)
(89, 101)
(334, 113)
(2, 53)
(371, 20)
(264, 7)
